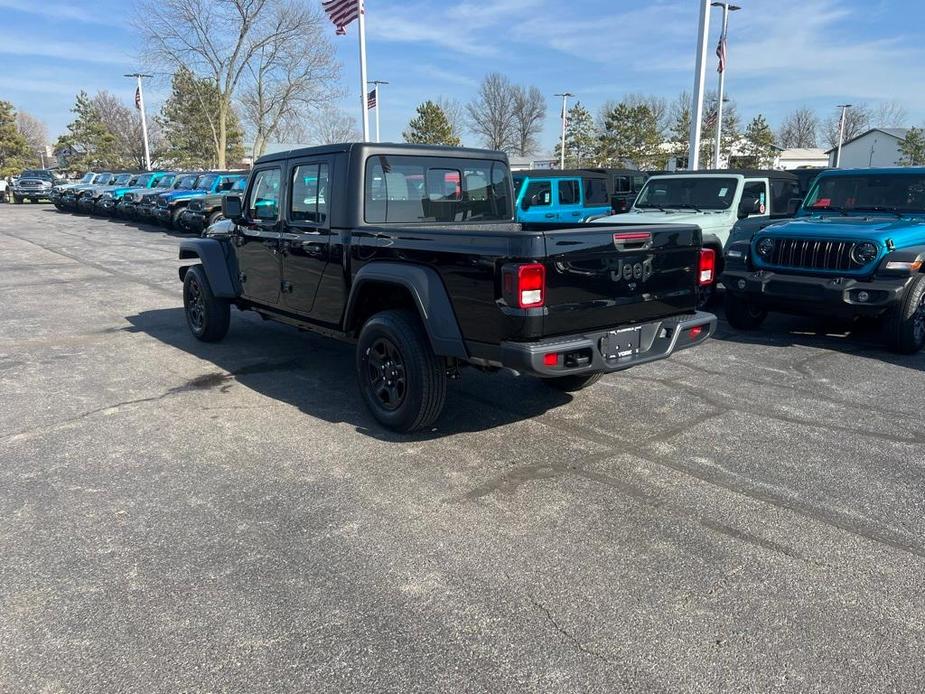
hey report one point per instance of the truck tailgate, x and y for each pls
(600, 276)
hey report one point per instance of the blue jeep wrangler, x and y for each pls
(855, 248)
(560, 196)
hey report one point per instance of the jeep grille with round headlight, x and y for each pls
(864, 253)
(765, 248)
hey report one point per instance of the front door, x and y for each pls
(536, 202)
(258, 239)
(305, 243)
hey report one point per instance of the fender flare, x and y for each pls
(429, 295)
(909, 254)
(223, 278)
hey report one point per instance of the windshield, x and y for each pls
(688, 192)
(897, 193)
(186, 182)
(88, 177)
(121, 179)
(166, 181)
(239, 185)
(36, 173)
(205, 182)
(143, 181)
(409, 189)
(103, 179)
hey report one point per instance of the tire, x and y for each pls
(402, 381)
(174, 221)
(208, 318)
(571, 384)
(741, 314)
(905, 325)
(213, 218)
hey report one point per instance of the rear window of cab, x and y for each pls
(415, 190)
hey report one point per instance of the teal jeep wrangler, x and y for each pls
(856, 248)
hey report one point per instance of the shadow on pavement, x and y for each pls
(317, 376)
(862, 337)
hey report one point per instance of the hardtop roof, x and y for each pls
(747, 173)
(374, 148)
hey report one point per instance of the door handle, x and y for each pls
(549, 215)
(576, 214)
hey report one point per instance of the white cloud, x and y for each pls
(58, 11)
(71, 51)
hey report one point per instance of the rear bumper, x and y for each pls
(658, 340)
(831, 296)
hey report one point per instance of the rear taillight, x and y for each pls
(707, 270)
(524, 285)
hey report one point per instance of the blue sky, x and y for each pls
(783, 53)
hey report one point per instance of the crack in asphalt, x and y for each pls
(568, 636)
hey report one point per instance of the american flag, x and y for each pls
(710, 122)
(371, 99)
(342, 12)
(721, 53)
(138, 98)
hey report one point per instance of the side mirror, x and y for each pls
(232, 208)
(748, 207)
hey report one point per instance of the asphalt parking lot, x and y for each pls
(176, 516)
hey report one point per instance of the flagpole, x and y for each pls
(363, 97)
(144, 121)
(693, 151)
(717, 145)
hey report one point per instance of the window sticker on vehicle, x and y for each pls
(761, 204)
(722, 192)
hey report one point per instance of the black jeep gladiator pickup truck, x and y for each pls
(411, 251)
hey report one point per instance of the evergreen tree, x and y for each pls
(759, 143)
(431, 127)
(630, 136)
(188, 121)
(912, 148)
(14, 149)
(91, 143)
(580, 138)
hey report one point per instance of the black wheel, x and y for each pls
(208, 317)
(17, 200)
(741, 314)
(174, 221)
(213, 218)
(570, 384)
(401, 379)
(905, 325)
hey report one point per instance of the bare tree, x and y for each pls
(222, 40)
(529, 113)
(124, 123)
(799, 129)
(33, 130)
(286, 81)
(857, 121)
(889, 114)
(491, 113)
(329, 125)
(455, 114)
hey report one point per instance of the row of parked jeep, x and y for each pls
(186, 201)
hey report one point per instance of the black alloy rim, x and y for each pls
(195, 305)
(385, 374)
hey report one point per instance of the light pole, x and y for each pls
(376, 84)
(565, 96)
(841, 132)
(140, 105)
(722, 55)
(693, 152)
